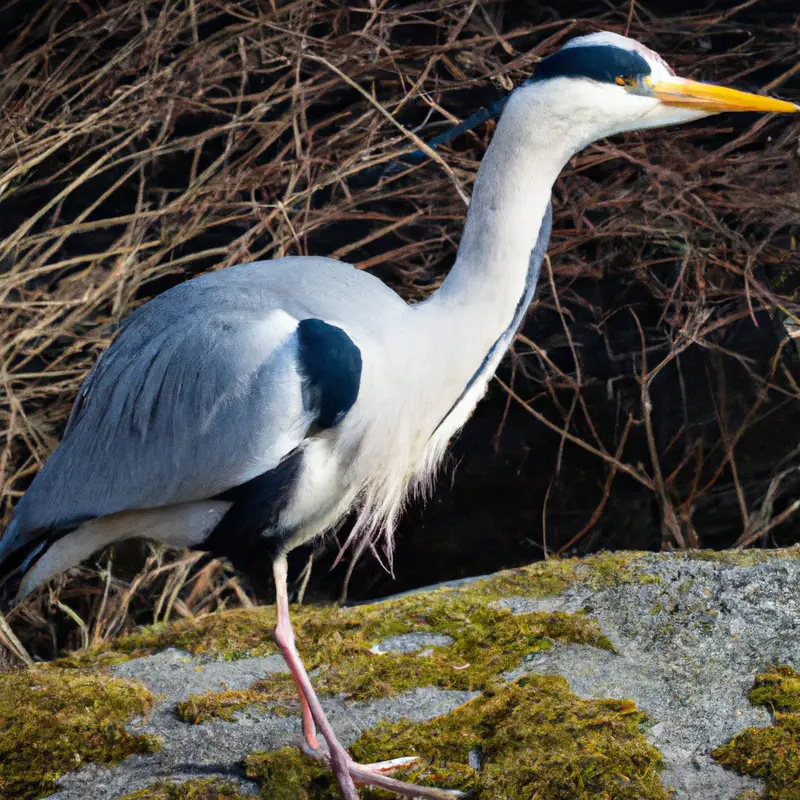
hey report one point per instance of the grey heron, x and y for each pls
(246, 411)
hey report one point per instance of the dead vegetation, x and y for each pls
(143, 142)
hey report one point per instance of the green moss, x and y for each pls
(53, 721)
(210, 789)
(778, 690)
(336, 642)
(603, 570)
(276, 694)
(230, 634)
(486, 642)
(535, 739)
(336, 645)
(555, 576)
(246, 632)
(771, 754)
(287, 774)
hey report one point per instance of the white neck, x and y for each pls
(449, 345)
(511, 193)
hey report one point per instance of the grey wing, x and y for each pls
(197, 394)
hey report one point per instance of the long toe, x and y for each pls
(369, 776)
(393, 765)
(377, 774)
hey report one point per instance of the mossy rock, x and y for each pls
(771, 754)
(778, 690)
(472, 641)
(189, 790)
(336, 642)
(535, 739)
(247, 632)
(276, 694)
(52, 721)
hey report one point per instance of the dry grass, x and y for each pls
(145, 141)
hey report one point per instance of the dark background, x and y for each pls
(145, 142)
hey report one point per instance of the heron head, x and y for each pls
(619, 84)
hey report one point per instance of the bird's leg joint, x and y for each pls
(283, 635)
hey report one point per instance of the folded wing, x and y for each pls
(199, 393)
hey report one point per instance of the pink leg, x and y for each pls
(309, 731)
(346, 771)
(284, 637)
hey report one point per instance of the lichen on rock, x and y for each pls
(773, 753)
(530, 738)
(247, 632)
(415, 657)
(328, 633)
(54, 720)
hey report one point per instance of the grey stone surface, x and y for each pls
(177, 674)
(689, 645)
(690, 635)
(217, 747)
(412, 643)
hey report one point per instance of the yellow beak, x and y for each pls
(714, 99)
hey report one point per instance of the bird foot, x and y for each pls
(377, 774)
(390, 766)
(381, 767)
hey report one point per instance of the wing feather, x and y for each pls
(192, 398)
(204, 388)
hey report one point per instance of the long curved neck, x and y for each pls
(509, 200)
(474, 314)
(449, 345)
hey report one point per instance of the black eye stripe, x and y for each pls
(604, 63)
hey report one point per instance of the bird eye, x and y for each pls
(626, 80)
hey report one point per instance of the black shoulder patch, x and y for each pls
(599, 62)
(331, 364)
